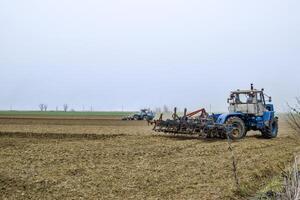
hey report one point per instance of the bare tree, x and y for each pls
(293, 117)
(291, 176)
(291, 182)
(45, 107)
(41, 106)
(234, 163)
(65, 106)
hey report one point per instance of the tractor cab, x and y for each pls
(249, 102)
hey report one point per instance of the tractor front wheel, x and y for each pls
(271, 131)
(238, 128)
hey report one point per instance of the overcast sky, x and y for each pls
(146, 53)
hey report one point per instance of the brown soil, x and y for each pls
(114, 159)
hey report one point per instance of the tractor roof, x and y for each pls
(245, 91)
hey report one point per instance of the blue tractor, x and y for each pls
(144, 114)
(248, 111)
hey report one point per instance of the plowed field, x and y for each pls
(106, 158)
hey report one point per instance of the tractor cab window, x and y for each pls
(260, 98)
(244, 98)
(240, 98)
(250, 98)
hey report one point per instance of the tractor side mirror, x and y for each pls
(230, 99)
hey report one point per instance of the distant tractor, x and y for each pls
(248, 110)
(144, 114)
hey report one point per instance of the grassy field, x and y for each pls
(61, 113)
(104, 158)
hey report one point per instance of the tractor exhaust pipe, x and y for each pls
(174, 114)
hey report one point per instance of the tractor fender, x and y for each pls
(223, 117)
(268, 115)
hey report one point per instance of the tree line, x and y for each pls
(44, 107)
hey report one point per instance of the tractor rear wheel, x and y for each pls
(239, 129)
(271, 131)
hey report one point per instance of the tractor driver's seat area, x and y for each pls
(246, 102)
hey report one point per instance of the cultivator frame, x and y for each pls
(198, 122)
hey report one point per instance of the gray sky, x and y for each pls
(146, 53)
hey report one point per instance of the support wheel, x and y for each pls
(239, 129)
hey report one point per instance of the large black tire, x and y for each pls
(271, 131)
(239, 128)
